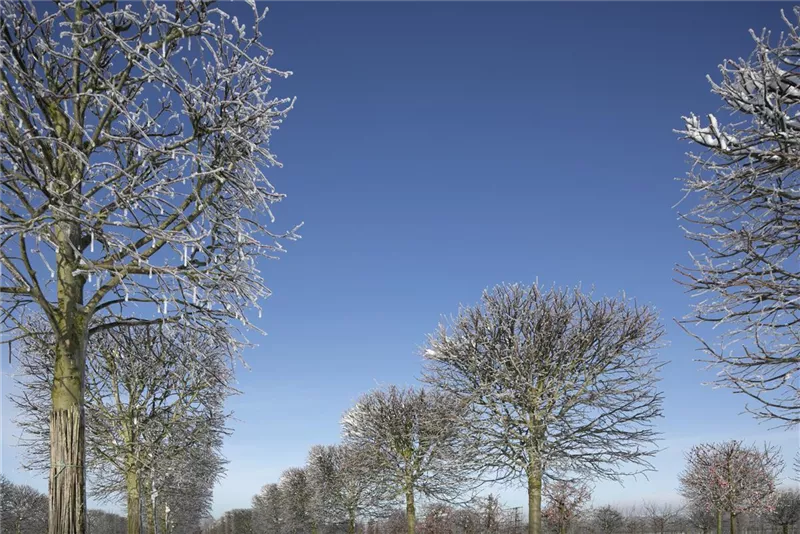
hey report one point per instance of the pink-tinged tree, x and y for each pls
(732, 478)
(786, 512)
(133, 143)
(565, 501)
(745, 217)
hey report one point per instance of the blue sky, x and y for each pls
(437, 149)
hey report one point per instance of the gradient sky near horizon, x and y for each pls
(437, 149)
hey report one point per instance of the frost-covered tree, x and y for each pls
(344, 488)
(557, 382)
(415, 442)
(700, 517)
(297, 500)
(608, 520)
(743, 186)
(23, 510)
(732, 478)
(267, 510)
(786, 511)
(565, 501)
(491, 512)
(133, 145)
(154, 400)
(661, 516)
(100, 522)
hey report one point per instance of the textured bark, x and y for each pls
(67, 440)
(150, 525)
(411, 512)
(134, 503)
(67, 482)
(534, 501)
(351, 523)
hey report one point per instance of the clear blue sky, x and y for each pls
(439, 149)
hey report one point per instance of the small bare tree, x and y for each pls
(661, 516)
(786, 512)
(132, 149)
(415, 441)
(746, 218)
(731, 477)
(557, 382)
(608, 520)
(565, 501)
(702, 518)
(344, 487)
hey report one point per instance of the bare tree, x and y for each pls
(661, 516)
(23, 510)
(344, 487)
(100, 522)
(557, 382)
(746, 218)
(415, 441)
(565, 501)
(297, 501)
(268, 514)
(608, 520)
(132, 173)
(154, 396)
(6, 487)
(731, 477)
(786, 512)
(701, 517)
(491, 514)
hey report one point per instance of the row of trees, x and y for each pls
(536, 386)
(154, 397)
(134, 141)
(134, 198)
(542, 387)
(24, 510)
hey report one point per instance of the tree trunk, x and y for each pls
(150, 519)
(785, 528)
(411, 512)
(719, 521)
(134, 503)
(534, 501)
(733, 523)
(351, 523)
(67, 484)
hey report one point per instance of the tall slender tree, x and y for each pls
(559, 385)
(133, 142)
